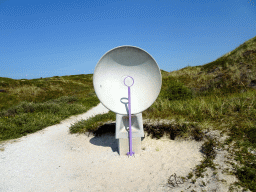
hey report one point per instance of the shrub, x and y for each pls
(251, 135)
(246, 175)
(177, 91)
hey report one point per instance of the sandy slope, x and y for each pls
(54, 160)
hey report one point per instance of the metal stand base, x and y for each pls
(123, 145)
(122, 133)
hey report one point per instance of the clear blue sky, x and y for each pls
(40, 38)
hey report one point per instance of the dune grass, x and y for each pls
(216, 96)
(31, 105)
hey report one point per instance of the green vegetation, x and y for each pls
(216, 96)
(31, 105)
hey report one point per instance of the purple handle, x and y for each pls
(130, 119)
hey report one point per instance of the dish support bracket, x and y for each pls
(122, 132)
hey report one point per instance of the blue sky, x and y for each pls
(56, 38)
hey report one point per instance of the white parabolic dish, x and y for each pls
(109, 75)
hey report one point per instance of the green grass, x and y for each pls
(223, 100)
(31, 105)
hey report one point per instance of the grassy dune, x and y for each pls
(218, 96)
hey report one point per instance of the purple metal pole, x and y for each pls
(130, 119)
(130, 122)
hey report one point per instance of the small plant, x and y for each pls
(190, 175)
(183, 179)
(223, 180)
(174, 182)
(208, 148)
(251, 135)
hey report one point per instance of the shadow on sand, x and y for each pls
(105, 136)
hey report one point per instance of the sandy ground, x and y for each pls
(55, 160)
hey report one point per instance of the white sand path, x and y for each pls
(55, 160)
